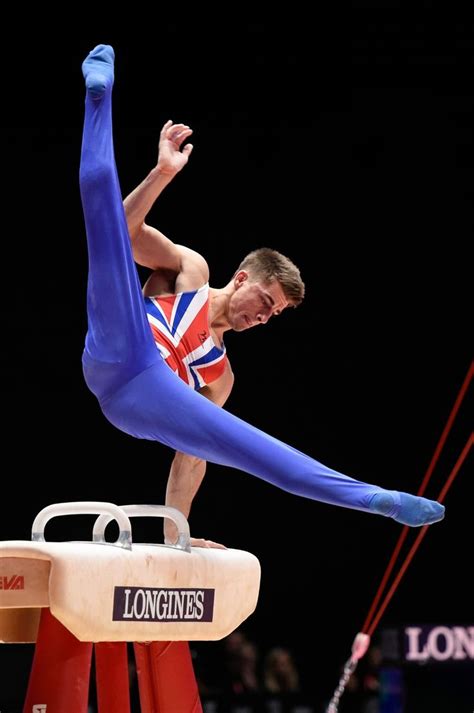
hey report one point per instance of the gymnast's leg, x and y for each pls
(119, 343)
(157, 405)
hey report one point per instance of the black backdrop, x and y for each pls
(344, 142)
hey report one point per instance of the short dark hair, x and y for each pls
(269, 265)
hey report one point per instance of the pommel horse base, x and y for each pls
(70, 596)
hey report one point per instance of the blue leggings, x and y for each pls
(137, 391)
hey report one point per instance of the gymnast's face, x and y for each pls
(254, 302)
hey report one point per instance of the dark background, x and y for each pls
(346, 143)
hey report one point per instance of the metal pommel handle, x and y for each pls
(183, 542)
(106, 510)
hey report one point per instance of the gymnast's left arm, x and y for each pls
(187, 471)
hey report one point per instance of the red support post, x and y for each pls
(60, 674)
(112, 677)
(166, 678)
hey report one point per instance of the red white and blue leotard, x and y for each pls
(180, 328)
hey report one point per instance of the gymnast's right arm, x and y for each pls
(150, 247)
(187, 472)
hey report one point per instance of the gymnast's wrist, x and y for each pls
(171, 538)
(163, 173)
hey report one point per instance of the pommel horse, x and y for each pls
(69, 597)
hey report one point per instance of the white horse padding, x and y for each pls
(101, 592)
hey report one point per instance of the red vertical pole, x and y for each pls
(148, 703)
(60, 674)
(111, 670)
(166, 678)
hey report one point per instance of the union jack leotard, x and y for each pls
(180, 327)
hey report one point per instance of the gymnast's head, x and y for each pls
(265, 283)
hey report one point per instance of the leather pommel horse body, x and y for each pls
(86, 592)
